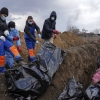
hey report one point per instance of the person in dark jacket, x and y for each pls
(30, 37)
(49, 28)
(5, 44)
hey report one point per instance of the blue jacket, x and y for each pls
(11, 36)
(48, 27)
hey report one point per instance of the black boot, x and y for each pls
(21, 62)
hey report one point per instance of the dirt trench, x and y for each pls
(80, 62)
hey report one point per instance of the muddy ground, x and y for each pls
(80, 61)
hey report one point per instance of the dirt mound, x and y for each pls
(63, 40)
(67, 39)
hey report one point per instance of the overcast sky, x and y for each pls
(80, 13)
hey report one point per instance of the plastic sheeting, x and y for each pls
(93, 92)
(98, 62)
(96, 77)
(72, 91)
(30, 81)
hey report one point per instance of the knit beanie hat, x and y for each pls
(11, 24)
(4, 10)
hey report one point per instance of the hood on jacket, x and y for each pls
(53, 13)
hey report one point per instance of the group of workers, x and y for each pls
(8, 34)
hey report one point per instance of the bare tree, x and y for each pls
(73, 29)
(84, 30)
(96, 31)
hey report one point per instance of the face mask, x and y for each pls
(52, 18)
(30, 22)
(3, 17)
(12, 29)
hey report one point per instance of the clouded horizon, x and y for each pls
(80, 13)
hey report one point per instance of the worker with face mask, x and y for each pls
(4, 43)
(49, 29)
(30, 37)
(13, 36)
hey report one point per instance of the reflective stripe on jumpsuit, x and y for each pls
(30, 44)
(7, 46)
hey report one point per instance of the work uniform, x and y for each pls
(9, 57)
(6, 45)
(30, 39)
